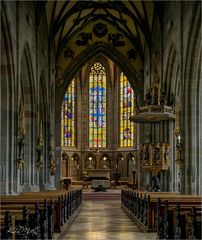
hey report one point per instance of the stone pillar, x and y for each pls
(190, 138)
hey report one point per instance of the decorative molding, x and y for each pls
(84, 38)
(68, 53)
(100, 30)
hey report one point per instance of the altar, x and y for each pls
(102, 173)
(100, 184)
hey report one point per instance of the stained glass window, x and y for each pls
(68, 117)
(126, 110)
(97, 106)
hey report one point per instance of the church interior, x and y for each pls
(101, 119)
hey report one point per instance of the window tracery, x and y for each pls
(97, 106)
(68, 117)
(126, 110)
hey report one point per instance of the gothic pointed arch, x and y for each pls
(29, 95)
(110, 52)
(68, 116)
(192, 114)
(90, 161)
(43, 124)
(126, 110)
(65, 168)
(172, 72)
(104, 61)
(130, 157)
(97, 94)
(75, 164)
(105, 161)
(8, 106)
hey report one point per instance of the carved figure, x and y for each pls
(148, 99)
(136, 105)
(68, 53)
(83, 38)
(100, 30)
(52, 166)
(146, 155)
(171, 101)
(155, 184)
(163, 99)
(156, 96)
(156, 154)
(132, 54)
(115, 38)
(166, 153)
(21, 145)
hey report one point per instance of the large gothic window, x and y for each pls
(126, 110)
(97, 106)
(68, 117)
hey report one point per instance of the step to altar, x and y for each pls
(96, 196)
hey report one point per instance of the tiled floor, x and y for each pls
(103, 220)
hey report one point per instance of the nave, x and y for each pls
(79, 214)
(101, 95)
(104, 220)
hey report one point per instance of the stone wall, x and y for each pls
(176, 31)
(26, 52)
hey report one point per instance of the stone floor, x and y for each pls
(104, 220)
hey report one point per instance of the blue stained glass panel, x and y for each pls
(68, 117)
(97, 105)
(126, 110)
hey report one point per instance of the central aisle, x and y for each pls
(104, 220)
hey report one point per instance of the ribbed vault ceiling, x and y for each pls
(129, 25)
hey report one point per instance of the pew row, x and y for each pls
(142, 206)
(178, 221)
(64, 206)
(27, 224)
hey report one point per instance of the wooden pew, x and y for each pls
(45, 207)
(34, 221)
(59, 197)
(179, 221)
(142, 206)
(64, 203)
(29, 198)
(7, 222)
(68, 202)
(195, 223)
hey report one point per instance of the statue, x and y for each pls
(146, 155)
(59, 76)
(155, 184)
(156, 155)
(163, 99)
(179, 151)
(115, 38)
(21, 135)
(20, 159)
(53, 165)
(136, 105)
(148, 99)
(83, 38)
(156, 96)
(39, 150)
(171, 101)
(21, 138)
(166, 153)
